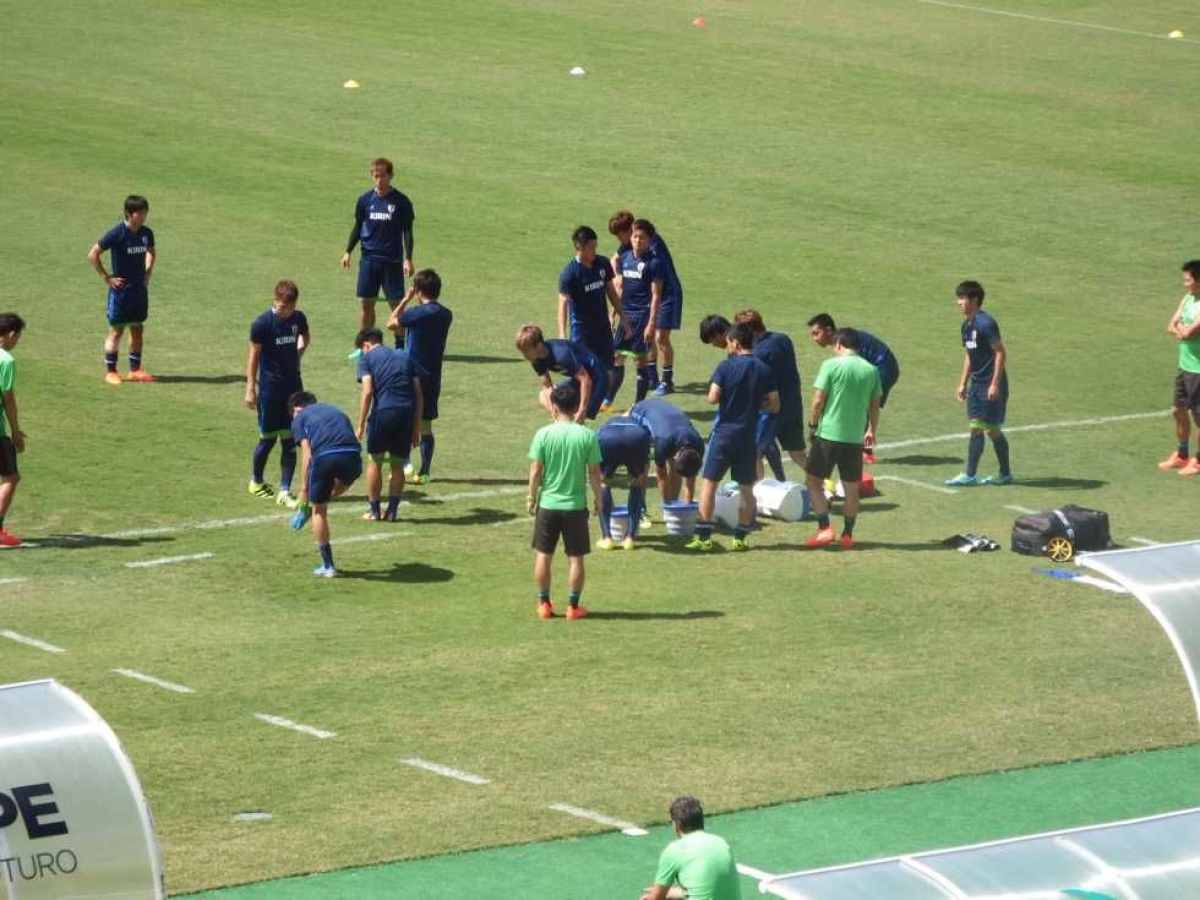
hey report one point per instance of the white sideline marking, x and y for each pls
(579, 812)
(252, 815)
(1021, 509)
(294, 726)
(1073, 24)
(1100, 583)
(32, 642)
(1041, 426)
(11, 580)
(364, 538)
(514, 521)
(751, 872)
(166, 560)
(911, 482)
(150, 679)
(1142, 540)
(439, 769)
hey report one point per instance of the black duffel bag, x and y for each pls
(1060, 532)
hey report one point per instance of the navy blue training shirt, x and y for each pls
(779, 353)
(878, 354)
(327, 430)
(978, 334)
(745, 382)
(129, 249)
(588, 303)
(384, 226)
(670, 428)
(392, 372)
(568, 358)
(637, 274)
(427, 326)
(672, 287)
(279, 363)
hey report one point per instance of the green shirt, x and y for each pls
(1189, 349)
(702, 864)
(8, 380)
(564, 449)
(849, 383)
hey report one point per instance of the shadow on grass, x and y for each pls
(692, 387)
(400, 573)
(476, 516)
(916, 459)
(473, 358)
(1075, 484)
(199, 379)
(83, 541)
(621, 616)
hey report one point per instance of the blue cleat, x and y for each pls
(303, 514)
(663, 389)
(962, 479)
(324, 571)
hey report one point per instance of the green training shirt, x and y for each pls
(8, 380)
(702, 864)
(1189, 349)
(564, 449)
(849, 383)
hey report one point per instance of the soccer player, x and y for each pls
(133, 256)
(564, 458)
(983, 385)
(846, 393)
(586, 290)
(1185, 406)
(12, 443)
(425, 326)
(278, 339)
(624, 443)
(870, 348)
(787, 429)
(392, 395)
(697, 864)
(330, 461)
(677, 445)
(383, 222)
(741, 386)
(641, 293)
(573, 360)
(670, 313)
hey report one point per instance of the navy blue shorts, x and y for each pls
(631, 453)
(430, 391)
(274, 414)
(764, 431)
(129, 305)
(323, 471)
(736, 454)
(670, 313)
(599, 389)
(888, 381)
(789, 430)
(634, 344)
(390, 431)
(981, 409)
(374, 274)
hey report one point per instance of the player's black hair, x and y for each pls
(287, 290)
(374, 335)
(1192, 267)
(971, 290)
(687, 461)
(565, 398)
(822, 320)
(847, 337)
(301, 398)
(10, 322)
(428, 283)
(582, 235)
(688, 814)
(713, 326)
(645, 225)
(136, 203)
(741, 333)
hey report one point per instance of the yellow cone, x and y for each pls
(351, 84)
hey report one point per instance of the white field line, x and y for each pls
(158, 682)
(254, 815)
(448, 771)
(912, 482)
(1141, 540)
(751, 872)
(366, 538)
(11, 580)
(166, 560)
(1073, 24)
(294, 726)
(514, 521)
(1021, 509)
(579, 812)
(32, 642)
(1100, 583)
(1040, 426)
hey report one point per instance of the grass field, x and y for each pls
(856, 157)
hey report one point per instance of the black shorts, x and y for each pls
(570, 524)
(374, 274)
(8, 457)
(1187, 391)
(323, 471)
(826, 455)
(390, 431)
(430, 391)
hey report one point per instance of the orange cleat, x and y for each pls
(140, 375)
(1175, 461)
(112, 378)
(1192, 468)
(823, 538)
(545, 610)
(576, 612)
(8, 539)
(846, 541)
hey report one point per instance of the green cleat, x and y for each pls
(605, 544)
(261, 489)
(417, 479)
(699, 543)
(741, 543)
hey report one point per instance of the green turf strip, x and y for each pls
(788, 837)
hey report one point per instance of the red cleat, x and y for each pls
(8, 539)
(1175, 461)
(576, 612)
(545, 610)
(140, 375)
(823, 538)
(846, 541)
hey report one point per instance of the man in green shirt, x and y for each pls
(845, 394)
(11, 326)
(1185, 327)
(564, 456)
(697, 865)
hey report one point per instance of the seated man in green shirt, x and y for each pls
(697, 865)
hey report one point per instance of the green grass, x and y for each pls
(858, 157)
